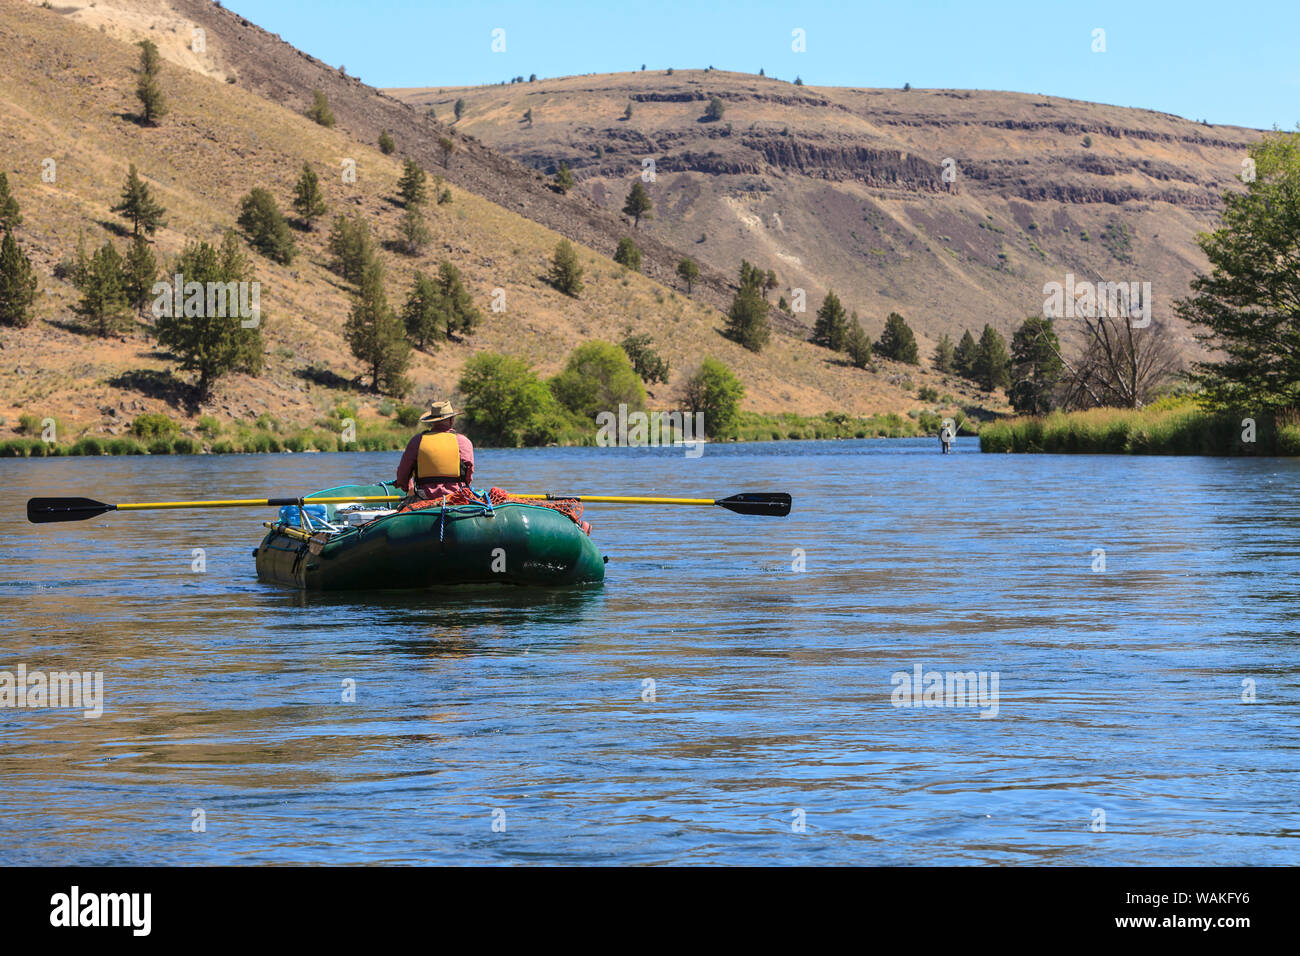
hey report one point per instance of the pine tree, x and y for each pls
(350, 246)
(424, 313)
(17, 284)
(413, 232)
(139, 271)
(858, 344)
(688, 272)
(628, 254)
(212, 345)
(265, 226)
(638, 204)
(831, 328)
(965, 354)
(138, 205)
(10, 216)
(627, 113)
(376, 336)
(897, 341)
(103, 302)
(992, 368)
(459, 108)
(446, 146)
(714, 111)
(462, 315)
(769, 282)
(747, 319)
(564, 178)
(412, 187)
(147, 88)
(308, 202)
(386, 144)
(751, 278)
(566, 273)
(319, 111)
(945, 356)
(1036, 367)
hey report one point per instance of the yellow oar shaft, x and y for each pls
(617, 499)
(249, 502)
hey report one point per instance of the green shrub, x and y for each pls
(209, 427)
(124, 446)
(408, 416)
(87, 446)
(154, 425)
(161, 446)
(187, 446)
(223, 448)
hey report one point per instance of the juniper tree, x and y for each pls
(139, 271)
(308, 201)
(638, 203)
(565, 273)
(897, 341)
(10, 215)
(319, 111)
(446, 146)
(17, 284)
(265, 227)
(147, 88)
(210, 344)
(628, 254)
(945, 356)
(831, 328)
(412, 232)
(103, 303)
(1036, 367)
(857, 343)
(138, 205)
(747, 319)
(644, 359)
(424, 313)
(965, 354)
(412, 187)
(350, 247)
(715, 110)
(376, 335)
(688, 272)
(459, 108)
(564, 178)
(386, 144)
(992, 366)
(462, 315)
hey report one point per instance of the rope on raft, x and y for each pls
(487, 502)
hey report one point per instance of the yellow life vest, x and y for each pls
(439, 458)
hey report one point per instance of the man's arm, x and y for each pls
(407, 465)
(467, 455)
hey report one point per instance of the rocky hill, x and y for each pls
(236, 122)
(846, 188)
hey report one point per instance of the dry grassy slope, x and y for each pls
(65, 91)
(842, 188)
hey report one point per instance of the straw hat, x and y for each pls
(438, 412)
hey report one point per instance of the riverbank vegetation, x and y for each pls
(1175, 426)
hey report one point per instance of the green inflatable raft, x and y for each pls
(509, 543)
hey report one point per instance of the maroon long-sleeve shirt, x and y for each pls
(434, 489)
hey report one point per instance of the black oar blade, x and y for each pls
(774, 504)
(43, 510)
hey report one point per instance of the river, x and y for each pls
(1144, 712)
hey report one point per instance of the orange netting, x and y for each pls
(569, 507)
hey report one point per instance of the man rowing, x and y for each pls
(439, 461)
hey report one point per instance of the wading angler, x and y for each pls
(651, 430)
(216, 300)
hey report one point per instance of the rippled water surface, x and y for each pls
(1119, 691)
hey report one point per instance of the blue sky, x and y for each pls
(1224, 62)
